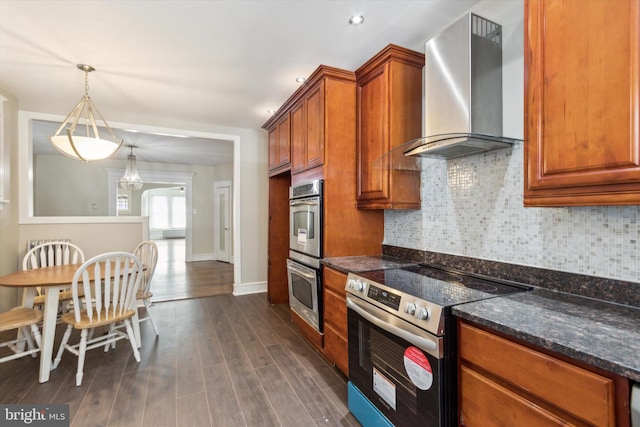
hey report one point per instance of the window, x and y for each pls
(123, 203)
(168, 211)
(178, 212)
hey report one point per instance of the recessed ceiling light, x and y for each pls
(356, 20)
(301, 79)
(270, 112)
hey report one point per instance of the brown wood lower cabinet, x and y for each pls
(314, 337)
(336, 348)
(504, 383)
(335, 319)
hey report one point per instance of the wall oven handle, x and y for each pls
(308, 275)
(419, 341)
(302, 203)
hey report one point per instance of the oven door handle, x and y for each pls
(419, 341)
(303, 203)
(308, 275)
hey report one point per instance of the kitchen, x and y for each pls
(472, 219)
(483, 217)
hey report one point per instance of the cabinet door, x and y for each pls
(314, 110)
(273, 148)
(284, 142)
(280, 146)
(582, 109)
(373, 138)
(336, 346)
(389, 104)
(298, 138)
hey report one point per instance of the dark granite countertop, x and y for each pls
(601, 334)
(354, 264)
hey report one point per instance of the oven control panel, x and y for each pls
(414, 310)
(421, 313)
(384, 297)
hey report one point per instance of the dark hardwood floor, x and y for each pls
(176, 279)
(219, 361)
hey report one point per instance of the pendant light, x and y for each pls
(78, 137)
(131, 179)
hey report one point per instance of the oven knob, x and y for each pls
(422, 313)
(358, 286)
(410, 308)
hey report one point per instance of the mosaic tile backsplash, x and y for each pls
(472, 207)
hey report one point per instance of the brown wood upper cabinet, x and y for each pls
(307, 130)
(582, 106)
(389, 113)
(320, 111)
(280, 146)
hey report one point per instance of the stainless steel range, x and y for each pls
(402, 342)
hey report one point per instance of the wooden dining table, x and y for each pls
(54, 279)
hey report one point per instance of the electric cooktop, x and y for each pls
(442, 287)
(423, 294)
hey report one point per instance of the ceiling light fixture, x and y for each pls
(271, 112)
(356, 20)
(131, 179)
(301, 79)
(87, 145)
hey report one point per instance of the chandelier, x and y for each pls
(131, 179)
(78, 137)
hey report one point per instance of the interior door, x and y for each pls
(221, 221)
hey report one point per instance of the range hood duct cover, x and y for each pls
(463, 95)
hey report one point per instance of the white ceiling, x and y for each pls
(189, 64)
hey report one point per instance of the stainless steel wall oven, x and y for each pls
(305, 219)
(305, 244)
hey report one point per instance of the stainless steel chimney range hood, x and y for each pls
(463, 92)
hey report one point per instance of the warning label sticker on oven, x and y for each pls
(302, 236)
(418, 368)
(385, 388)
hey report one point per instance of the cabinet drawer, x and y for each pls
(335, 311)
(482, 401)
(581, 393)
(334, 280)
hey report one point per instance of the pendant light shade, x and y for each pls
(131, 179)
(79, 135)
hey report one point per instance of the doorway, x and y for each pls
(221, 221)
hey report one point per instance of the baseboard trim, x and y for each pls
(249, 288)
(202, 257)
(207, 257)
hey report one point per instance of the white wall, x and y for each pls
(94, 239)
(473, 206)
(9, 232)
(250, 207)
